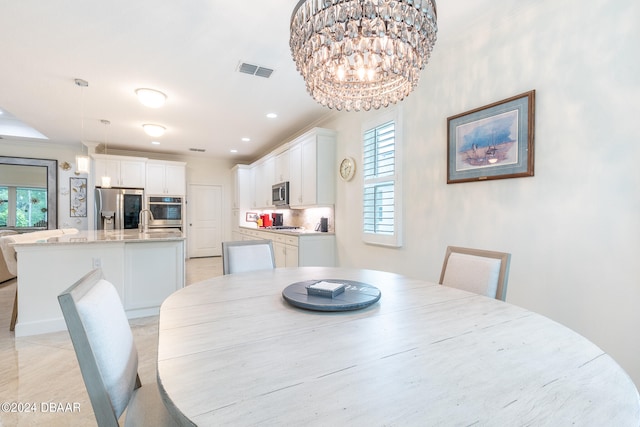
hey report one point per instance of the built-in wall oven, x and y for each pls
(168, 211)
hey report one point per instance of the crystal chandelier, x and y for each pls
(362, 54)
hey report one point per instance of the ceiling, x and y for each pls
(190, 53)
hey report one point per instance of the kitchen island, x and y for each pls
(145, 268)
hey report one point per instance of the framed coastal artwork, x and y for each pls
(78, 196)
(492, 142)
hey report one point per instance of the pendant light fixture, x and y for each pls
(82, 161)
(105, 180)
(362, 54)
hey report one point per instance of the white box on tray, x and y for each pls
(326, 289)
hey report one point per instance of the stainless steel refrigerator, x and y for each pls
(118, 208)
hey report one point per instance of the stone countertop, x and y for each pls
(102, 236)
(290, 232)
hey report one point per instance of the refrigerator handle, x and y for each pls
(119, 220)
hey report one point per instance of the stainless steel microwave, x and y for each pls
(280, 194)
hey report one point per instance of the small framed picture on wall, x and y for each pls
(78, 197)
(492, 142)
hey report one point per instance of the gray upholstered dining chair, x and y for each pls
(107, 355)
(476, 270)
(247, 255)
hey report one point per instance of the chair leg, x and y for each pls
(14, 314)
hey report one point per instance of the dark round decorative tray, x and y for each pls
(356, 295)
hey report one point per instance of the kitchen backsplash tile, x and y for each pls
(309, 219)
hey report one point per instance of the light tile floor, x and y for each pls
(41, 370)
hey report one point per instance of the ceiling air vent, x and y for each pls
(255, 70)
(197, 150)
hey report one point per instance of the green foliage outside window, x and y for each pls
(30, 207)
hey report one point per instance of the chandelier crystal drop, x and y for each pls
(362, 54)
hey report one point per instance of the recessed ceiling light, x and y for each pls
(234, 151)
(272, 115)
(151, 98)
(154, 130)
(155, 142)
(246, 139)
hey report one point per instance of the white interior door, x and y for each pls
(205, 219)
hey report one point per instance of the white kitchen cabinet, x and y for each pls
(297, 250)
(263, 179)
(127, 172)
(312, 169)
(241, 181)
(166, 178)
(285, 250)
(156, 270)
(317, 250)
(281, 167)
(295, 175)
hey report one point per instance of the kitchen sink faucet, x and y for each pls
(144, 228)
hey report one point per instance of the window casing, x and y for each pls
(382, 195)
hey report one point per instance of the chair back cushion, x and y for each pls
(473, 273)
(249, 258)
(103, 341)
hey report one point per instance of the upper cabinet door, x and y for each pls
(132, 173)
(295, 175)
(107, 167)
(282, 167)
(312, 169)
(127, 172)
(309, 171)
(155, 178)
(166, 178)
(263, 179)
(176, 182)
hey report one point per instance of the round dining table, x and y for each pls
(232, 351)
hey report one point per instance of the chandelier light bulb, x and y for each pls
(154, 130)
(151, 98)
(362, 54)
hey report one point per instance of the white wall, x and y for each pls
(574, 228)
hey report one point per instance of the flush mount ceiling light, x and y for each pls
(154, 130)
(151, 98)
(358, 55)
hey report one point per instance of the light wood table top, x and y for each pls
(231, 351)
